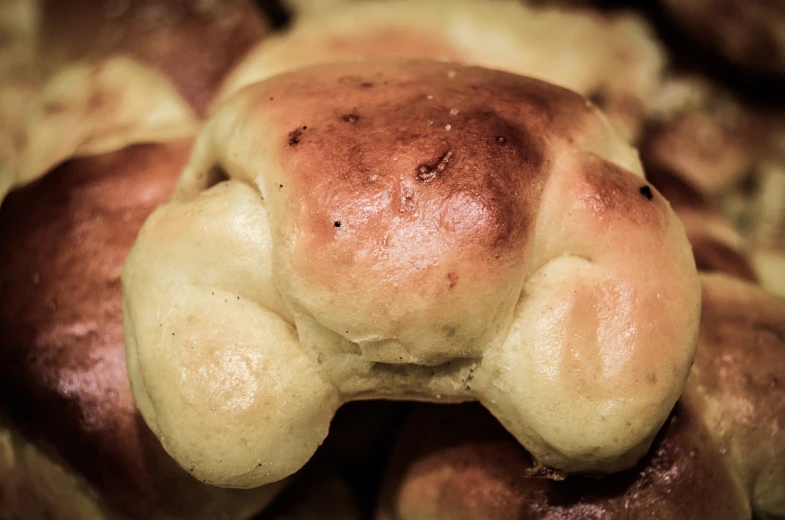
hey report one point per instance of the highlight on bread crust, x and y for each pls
(719, 455)
(580, 50)
(72, 421)
(413, 230)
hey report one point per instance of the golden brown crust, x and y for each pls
(193, 43)
(64, 379)
(582, 50)
(457, 463)
(408, 230)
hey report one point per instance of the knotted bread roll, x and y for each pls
(409, 230)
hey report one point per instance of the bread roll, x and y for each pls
(83, 451)
(739, 371)
(716, 244)
(580, 50)
(748, 33)
(457, 463)
(90, 109)
(193, 43)
(720, 454)
(413, 230)
(714, 137)
(117, 72)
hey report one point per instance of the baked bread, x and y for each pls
(72, 444)
(716, 244)
(75, 446)
(405, 230)
(193, 44)
(748, 33)
(114, 73)
(579, 50)
(720, 454)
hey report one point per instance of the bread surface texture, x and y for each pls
(408, 230)
(719, 454)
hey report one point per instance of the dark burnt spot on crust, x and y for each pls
(427, 173)
(294, 137)
(612, 191)
(337, 223)
(452, 278)
(350, 118)
(403, 175)
(366, 84)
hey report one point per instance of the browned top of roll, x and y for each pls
(63, 377)
(193, 42)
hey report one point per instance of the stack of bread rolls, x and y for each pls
(215, 232)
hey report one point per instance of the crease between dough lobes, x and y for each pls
(356, 273)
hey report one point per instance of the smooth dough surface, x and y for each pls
(408, 230)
